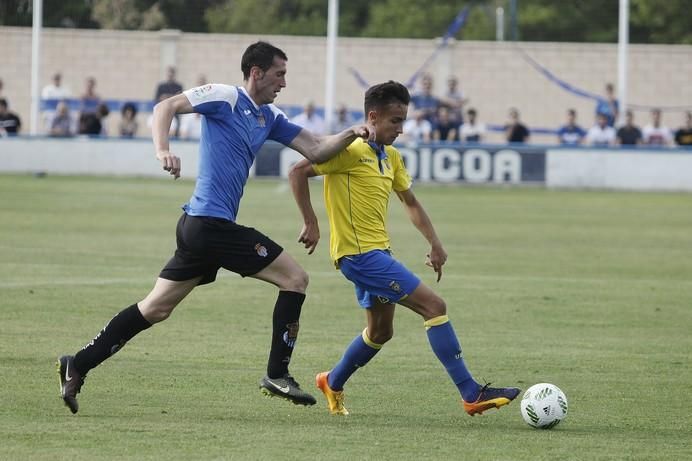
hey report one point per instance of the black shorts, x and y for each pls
(205, 244)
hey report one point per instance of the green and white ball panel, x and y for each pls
(543, 406)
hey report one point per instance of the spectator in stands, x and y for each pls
(423, 101)
(628, 134)
(472, 131)
(454, 100)
(90, 100)
(10, 124)
(417, 128)
(515, 131)
(342, 119)
(61, 125)
(609, 106)
(444, 128)
(571, 134)
(169, 87)
(55, 90)
(656, 134)
(127, 127)
(601, 135)
(92, 123)
(310, 120)
(683, 135)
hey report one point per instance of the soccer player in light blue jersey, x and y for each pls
(235, 123)
(358, 183)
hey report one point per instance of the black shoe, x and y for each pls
(287, 388)
(70, 382)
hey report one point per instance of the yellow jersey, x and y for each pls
(357, 186)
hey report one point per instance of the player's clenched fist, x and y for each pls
(170, 163)
(366, 132)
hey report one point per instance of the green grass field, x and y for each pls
(591, 291)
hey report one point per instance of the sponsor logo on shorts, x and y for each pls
(261, 250)
(394, 285)
(383, 300)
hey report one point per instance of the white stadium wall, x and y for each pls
(494, 75)
(640, 169)
(614, 169)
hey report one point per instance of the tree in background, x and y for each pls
(56, 13)
(651, 21)
(125, 14)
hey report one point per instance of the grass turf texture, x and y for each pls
(588, 290)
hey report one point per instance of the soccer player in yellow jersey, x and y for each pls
(357, 185)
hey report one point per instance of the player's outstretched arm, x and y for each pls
(437, 256)
(298, 179)
(319, 149)
(161, 125)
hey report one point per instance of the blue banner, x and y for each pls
(441, 163)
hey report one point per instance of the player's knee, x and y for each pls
(297, 281)
(381, 335)
(155, 312)
(437, 307)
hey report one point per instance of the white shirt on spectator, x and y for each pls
(55, 92)
(314, 124)
(601, 136)
(417, 130)
(472, 133)
(657, 136)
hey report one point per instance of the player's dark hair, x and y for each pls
(3, 102)
(389, 92)
(260, 54)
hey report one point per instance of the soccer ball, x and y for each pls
(543, 406)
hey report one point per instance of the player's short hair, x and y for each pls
(386, 93)
(260, 54)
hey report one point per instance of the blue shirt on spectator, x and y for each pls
(571, 135)
(603, 107)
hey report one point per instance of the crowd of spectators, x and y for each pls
(440, 119)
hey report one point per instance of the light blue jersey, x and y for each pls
(233, 130)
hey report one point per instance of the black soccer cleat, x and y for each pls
(70, 382)
(287, 388)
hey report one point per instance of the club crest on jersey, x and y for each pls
(385, 162)
(261, 250)
(394, 285)
(261, 121)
